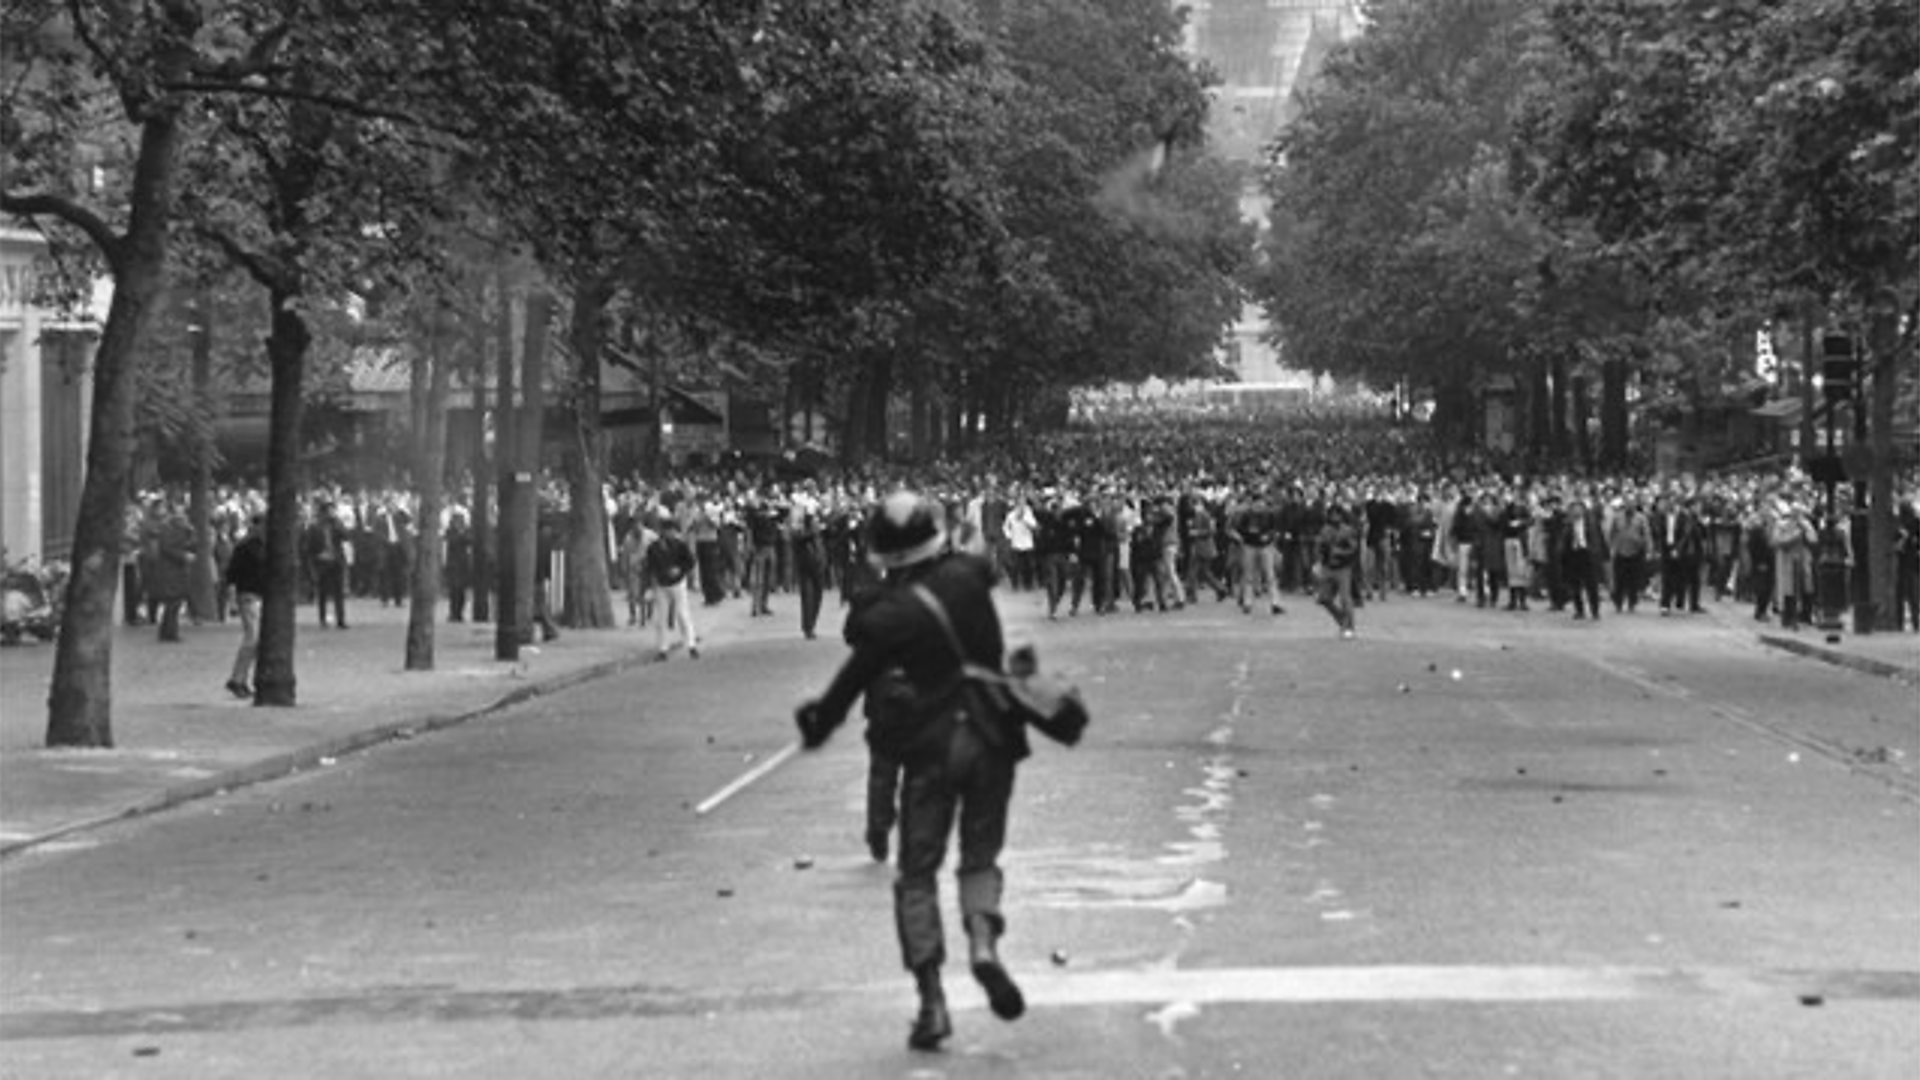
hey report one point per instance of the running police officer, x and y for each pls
(959, 756)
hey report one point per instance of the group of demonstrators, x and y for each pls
(1142, 513)
(1155, 515)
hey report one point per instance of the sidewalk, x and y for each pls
(179, 735)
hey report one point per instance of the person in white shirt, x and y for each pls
(1021, 524)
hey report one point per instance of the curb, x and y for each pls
(307, 757)
(1870, 666)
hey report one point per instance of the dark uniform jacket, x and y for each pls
(896, 630)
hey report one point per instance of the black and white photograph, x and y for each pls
(959, 539)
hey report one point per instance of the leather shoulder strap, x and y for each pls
(931, 602)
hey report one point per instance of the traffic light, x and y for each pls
(1838, 366)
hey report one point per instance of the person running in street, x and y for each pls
(934, 616)
(1336, 552)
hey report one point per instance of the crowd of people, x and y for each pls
(1158, 514)
(1140, 514)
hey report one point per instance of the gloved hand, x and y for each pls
(813, 727)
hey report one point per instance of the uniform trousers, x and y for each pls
(970, 785)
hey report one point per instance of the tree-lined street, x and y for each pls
(1573, 343)
(1614, 850)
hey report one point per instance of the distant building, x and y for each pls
(1264, 50)
(1267, 52)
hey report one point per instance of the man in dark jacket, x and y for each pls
(1337, 550)
(325, 547)
(169, 570)
(1677, 537)
(247, 577)
(1053, 545)
(764, 521)
(1906, 564)
(1583, 549)
(459, 567)
(669, 562)
(959, 756)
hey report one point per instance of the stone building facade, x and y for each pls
(45, 394)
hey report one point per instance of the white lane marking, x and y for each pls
(1194, 988)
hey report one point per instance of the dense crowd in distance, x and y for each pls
(1150, 512)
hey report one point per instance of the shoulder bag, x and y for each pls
(1052, 706)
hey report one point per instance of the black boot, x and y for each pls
(933, 1025)
(1003, 996)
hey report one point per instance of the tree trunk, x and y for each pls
(919, 429)
(879, 397)
(1807, 367)
(1882, 550)
(853, 432)
(506, 456)
(431, 378)
(1539, 416)
(789, 405)
(480, 475)
(1582, 415)
(80, 701)
(1453, 413)
(202, 596)
(287, 340)
(80, 705)
(589, 592)
(1613, 412)
(1562, 446)
(530, 432)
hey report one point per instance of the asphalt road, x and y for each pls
(1639, 849)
